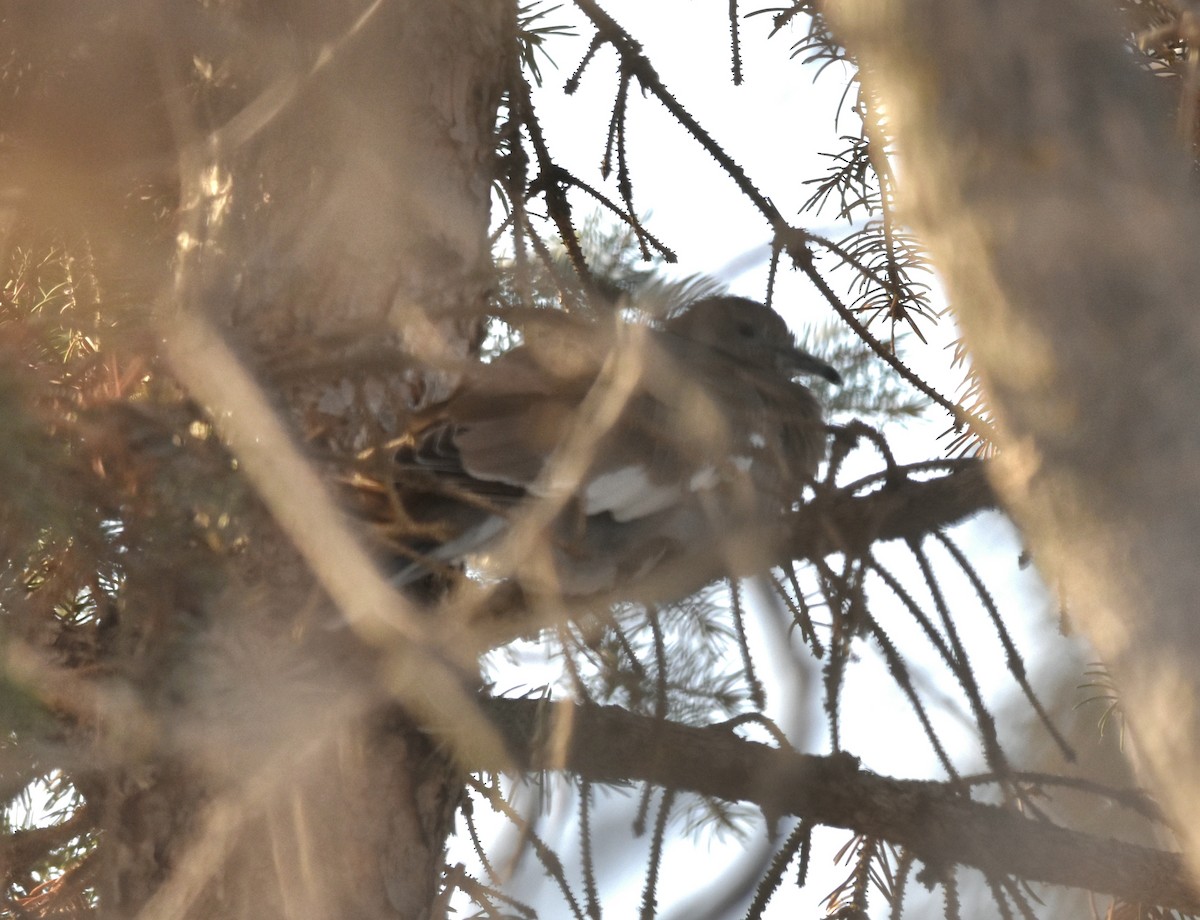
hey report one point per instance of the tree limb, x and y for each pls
(937, 822)
(903, 508)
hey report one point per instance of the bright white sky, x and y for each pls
(776, 126)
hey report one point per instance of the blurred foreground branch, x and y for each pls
(1046, 174)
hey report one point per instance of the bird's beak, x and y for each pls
(794, 361)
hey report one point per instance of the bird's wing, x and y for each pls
(673, 436)
(513, 443)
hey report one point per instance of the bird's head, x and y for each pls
(749, 333)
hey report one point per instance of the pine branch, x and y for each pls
(936, 822)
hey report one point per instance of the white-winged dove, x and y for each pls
(580, 461)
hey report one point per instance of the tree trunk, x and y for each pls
(1040, 166)
(325, 167)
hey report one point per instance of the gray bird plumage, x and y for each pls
(582, 460)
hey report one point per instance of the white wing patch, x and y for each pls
(704, 479)
(757, 440)
(709, 477)
(628, 494)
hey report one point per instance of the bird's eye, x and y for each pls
(746, 330)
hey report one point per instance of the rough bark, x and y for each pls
(1039, 164)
